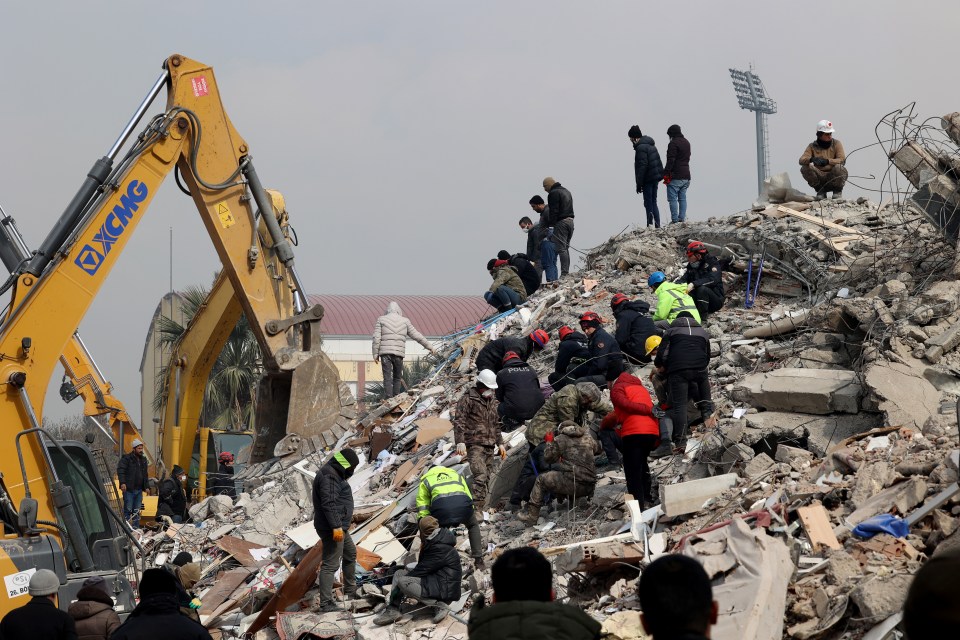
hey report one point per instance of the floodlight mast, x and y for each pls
(752, 97)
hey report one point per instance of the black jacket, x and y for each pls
(518, 390)
(603, 351)
(158, 617)
(535, 236)
(526, 271)
(573, 352)
(39, 618)
(438, 567)
(634, 326)
(646, 162)
(685, 345)
(530, 620)
(132, 471)
(491, 356)
(559, 204)
(223, 484)
(678, 158)
(705, 272)
(332, 499)
(172, 501)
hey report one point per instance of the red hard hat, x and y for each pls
(226, 456)
(618, 299)
(510, 355)
(696, 247)
(590, 316)
(540, 337)
(565, 331)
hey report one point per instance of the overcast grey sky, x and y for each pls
(407, 137)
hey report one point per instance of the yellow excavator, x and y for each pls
(52, 503)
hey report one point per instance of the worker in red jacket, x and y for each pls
(639, 430)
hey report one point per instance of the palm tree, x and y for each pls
(228, 398)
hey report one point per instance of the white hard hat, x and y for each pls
(136, 443)
(487, 378)
(824, 126)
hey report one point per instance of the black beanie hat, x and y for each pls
(536, 200)
(156, 581)
(182, 558)
(503, 254)
(490, 264)
(674, 131)
(634, 132)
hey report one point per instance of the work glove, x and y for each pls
(690, 287)
(548, 437)
(657, 412)
(502, 451)
(667, 178)
(195, 603)
(338, 535)
(461, 449)
(820, 162)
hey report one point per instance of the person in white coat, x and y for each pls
(390, 336)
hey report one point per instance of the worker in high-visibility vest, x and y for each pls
(444, 494)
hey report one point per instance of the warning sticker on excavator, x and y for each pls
(199, 86)
(17, 584)
(226, 218)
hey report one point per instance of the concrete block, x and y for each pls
(760, 464)
(943, 343)
(801, 390)
(792, 455)
(915, 163)
(871, 479)
(821, 431)
(939, 201)
(842, 568)
(904, 497)
(901, 393)
(880, 597)
(687, 497)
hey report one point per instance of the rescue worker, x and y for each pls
(188, 575)
(572, 474)
(491, 356)
(822, 163)
(507, 290)
(684, 355)
(569, 404)
(132, 475)
(444, 494)
(559, 214)
(658, 379)
(525, 269)
(704, 278)
(634, 326)
(157, 616)
(433, 581)
(518, 392)
(672, 299)
(332, 513)
(677, 599)
(604, 351)
(172, 501)
(523, 604)
(632, 417)
(532, 232)
(648, 171)
(390, 335)
(39, 618)
(92, 612)
(476, 432)
(572, 355)
(223, 484)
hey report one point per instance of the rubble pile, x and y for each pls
(830, 476)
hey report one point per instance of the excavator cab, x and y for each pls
(200, 476)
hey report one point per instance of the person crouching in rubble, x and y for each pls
(507, 290)
(434, 580)
(821, 164)
(523, 604)
(632, 418)
(684, 355)
(604, 350)
(672, 300)
(444, 494)
(704, 278)
(491, 356)
(634, 326)
(518, 392)
(572, 353)
(476, 432)
(573, 474)
(332, 513)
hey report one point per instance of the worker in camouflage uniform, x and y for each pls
(476, 432)
(573, 473)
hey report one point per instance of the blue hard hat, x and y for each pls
(656, 278)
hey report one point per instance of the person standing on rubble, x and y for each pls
(525, 269)
(604, 351)
(704, 278)
(132, 476)
(573, 474)
(390, 335)
(571, 358)
(524, 604)
(684, 355)
(157, 616)
(632, 418)
(476, 432)
(491, 356)
(676, 175)
(648, 170)
(435, 578)
(444, 494)
(634, 326)
(223, 484)
(672, 300)
(676, 599)
(532, 232)
(332, 514)
(507, 290)
(822, 163)
(559, 220)
(518, 392)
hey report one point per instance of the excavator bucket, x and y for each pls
(308, 403)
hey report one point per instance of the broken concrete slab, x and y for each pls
(760, 464)
(822, 431)
(901, 393)
(687, 497)
(942, 343)
(842, 568)
(801, 390)
(881, 596)
(904, 497)
(871, 479)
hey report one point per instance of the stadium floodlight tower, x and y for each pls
(752, 96)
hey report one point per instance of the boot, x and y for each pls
(821, 195)
(530, 516)
(440, 612)
(388, 616)
(329, 607)
(663, 451)
(838, 195)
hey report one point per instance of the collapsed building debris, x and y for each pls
(837, 403)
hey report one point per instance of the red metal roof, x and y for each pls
(433, 316)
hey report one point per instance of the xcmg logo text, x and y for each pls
(91, 255)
